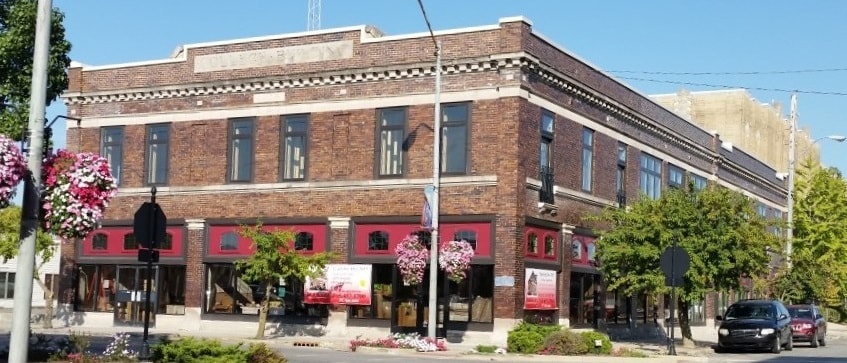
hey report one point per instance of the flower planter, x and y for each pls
(12, 169)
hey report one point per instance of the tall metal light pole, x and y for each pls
(19, 338)
(432, 319)
(792, 163)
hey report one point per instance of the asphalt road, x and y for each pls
(835, 351)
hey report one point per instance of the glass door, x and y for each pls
(130, 295)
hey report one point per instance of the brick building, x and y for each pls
(329, 133)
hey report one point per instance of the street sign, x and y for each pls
(149, 225)
(674, 262)
(148, 255)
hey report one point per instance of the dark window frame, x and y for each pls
(372, 244)
(129, 242)
(304, 241)
(675, 170)
(5, 292)
(284, 134)
(224, 242)
(149, 142)
(588, 141)
(96, 240)
(378, 151)
(651, 176)
(620, 174)
(231, 138)
(461, 235)
(119, 145)
(466, 123)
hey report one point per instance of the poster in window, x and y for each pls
(540, 289)
(340, 284)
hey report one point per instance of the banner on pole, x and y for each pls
(426, 218)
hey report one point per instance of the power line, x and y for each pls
(733, 87)
(794, 71)
(428, 25)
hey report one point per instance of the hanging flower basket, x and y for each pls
(77, 189)
(454, 257)
(412, 258)
(12, 169)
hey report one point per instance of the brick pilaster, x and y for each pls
(565, 276)
(194, 262)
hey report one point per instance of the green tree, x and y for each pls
(45, 248)
(276, 259)
(819, 253)
(724, 236)
(17, 42)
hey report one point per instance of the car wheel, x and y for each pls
(777, 345)
(814, 342)
(789, 345)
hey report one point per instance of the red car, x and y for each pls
(808, 324)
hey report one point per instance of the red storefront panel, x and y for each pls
(225, 240)
(584, 249)
(539, 235)
(113, 242)
(396, 232)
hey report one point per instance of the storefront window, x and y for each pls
(581, 298)
(171, 290)
(228, 293)
(382, 291)
(95, 290)
(471, 300)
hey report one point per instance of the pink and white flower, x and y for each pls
(412, 257)
(454, 258)
(77, 189)
(12, 169)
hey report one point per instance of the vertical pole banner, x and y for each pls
(426, 217)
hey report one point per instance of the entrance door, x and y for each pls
(411, 306)
(130, 294)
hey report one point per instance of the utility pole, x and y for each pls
(22, 310)
(432, 318)
(792, 134)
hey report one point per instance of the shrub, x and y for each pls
(629, 352)
(192, 350)
(261, 353)
(564, 342)
(528, 338)
(486, 348)
(590, 336)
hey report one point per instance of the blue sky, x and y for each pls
(650, 36)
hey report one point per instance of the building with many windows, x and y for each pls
(329, 133)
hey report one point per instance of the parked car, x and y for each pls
(755, 324)
(808, 324)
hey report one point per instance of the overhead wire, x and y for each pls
(813, 92)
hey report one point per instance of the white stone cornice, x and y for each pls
(195, 224)
(266, 84)
(339, 222)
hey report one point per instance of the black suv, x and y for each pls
(755, 324)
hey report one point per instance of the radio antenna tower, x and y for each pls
(314, 17)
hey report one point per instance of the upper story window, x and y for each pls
(762, 210)
(576, 249)
(99, 242)
(549, 246)
(455, 122)
(546, 152)
(378, 241)
(651, 176)
(532, 244)
(468, 236)
(587, 158)
(111, 148)
(130, 243)
(304, 241)
(7, 285)
(391, 134)
(620, 174)
(294, 147)
(229, 241)
(157, 153)
(699, 181)
(241, 150)
(676, 176)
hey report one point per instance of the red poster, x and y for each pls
(540, 290)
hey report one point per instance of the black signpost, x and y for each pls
(149, 230)
(675, 263)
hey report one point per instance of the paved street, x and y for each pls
(835, 351)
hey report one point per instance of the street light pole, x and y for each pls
(19, 337)
(792, 163)
(432, 319)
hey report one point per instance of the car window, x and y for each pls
(803, 313)
(751, 311)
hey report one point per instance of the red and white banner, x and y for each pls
(340, 284)
(540, 290)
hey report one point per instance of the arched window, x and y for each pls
(229, 241)
(469, 236)
(592, 251)
(304, 241)
(168, 243)
(425, 237)
(129, 242)
(378, 241)
(99, 242)
(576, 245)
(549, 245)
(532, 243)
